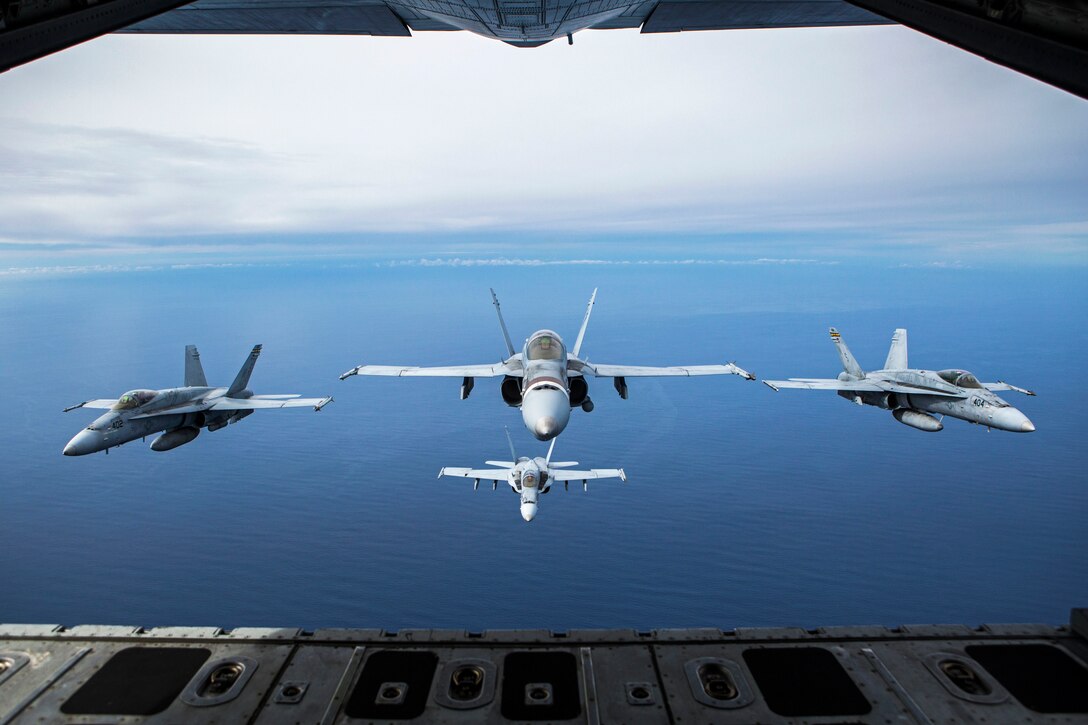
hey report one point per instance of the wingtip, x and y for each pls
(770, 385)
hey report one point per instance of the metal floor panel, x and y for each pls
(913, 674)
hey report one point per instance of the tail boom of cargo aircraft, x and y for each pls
(1045, 39)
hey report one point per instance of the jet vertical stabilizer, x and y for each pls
(241, 382)
(585, 323)
(194, 372)
(897, 354)
(502, 324)
(849, 364)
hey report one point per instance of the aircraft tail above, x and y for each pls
(897, 354)
(194, 371)
(849, 364)
(241, 381)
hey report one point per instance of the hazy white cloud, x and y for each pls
(859, 136)
(516, 262)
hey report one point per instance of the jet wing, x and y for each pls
(643, 371)
(568, 475)
(488, 474)
(261, 403)
(452, 371)
(99, 404)
(857, 386)
(1002, 385)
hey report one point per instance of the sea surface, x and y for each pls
(743, 507)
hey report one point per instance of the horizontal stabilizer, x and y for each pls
(562, 464)
(504, 464)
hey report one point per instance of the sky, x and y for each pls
(818, 143)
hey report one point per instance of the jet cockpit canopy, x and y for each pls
(545, 346)
(960, 378)
(133, 399)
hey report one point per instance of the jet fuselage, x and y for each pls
(126, 421)
(545, 393)
(981, 406)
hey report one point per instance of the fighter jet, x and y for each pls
(180, 412)
(531, 477)
(915, 396)
(545, 380)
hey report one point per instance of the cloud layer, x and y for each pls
(821, 137)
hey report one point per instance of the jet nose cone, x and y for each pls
(80, 445)
(546, 428)
(528, 511)
(1013, 420)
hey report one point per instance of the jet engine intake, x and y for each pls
(239, 415)
(173, 438)
(579, 391)
(887, 401)
(511, 391)
(193, 420)
(918, 419)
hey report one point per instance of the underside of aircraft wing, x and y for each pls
(267, 17)
(643, 371)
(685, 15)
(451, 371)
(569, 475)
(488, 474)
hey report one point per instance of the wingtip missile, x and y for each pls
(73, 407)
(349, 373)
(323, 403)
(770, 385)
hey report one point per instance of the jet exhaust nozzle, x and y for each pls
(174, 438)
(918, 419)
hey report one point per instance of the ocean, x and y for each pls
(743, 507)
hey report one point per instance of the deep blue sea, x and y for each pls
(743, 506)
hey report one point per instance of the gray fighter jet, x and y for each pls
(545, 380)
(531, 477)
(915, 396)
(180, 412)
